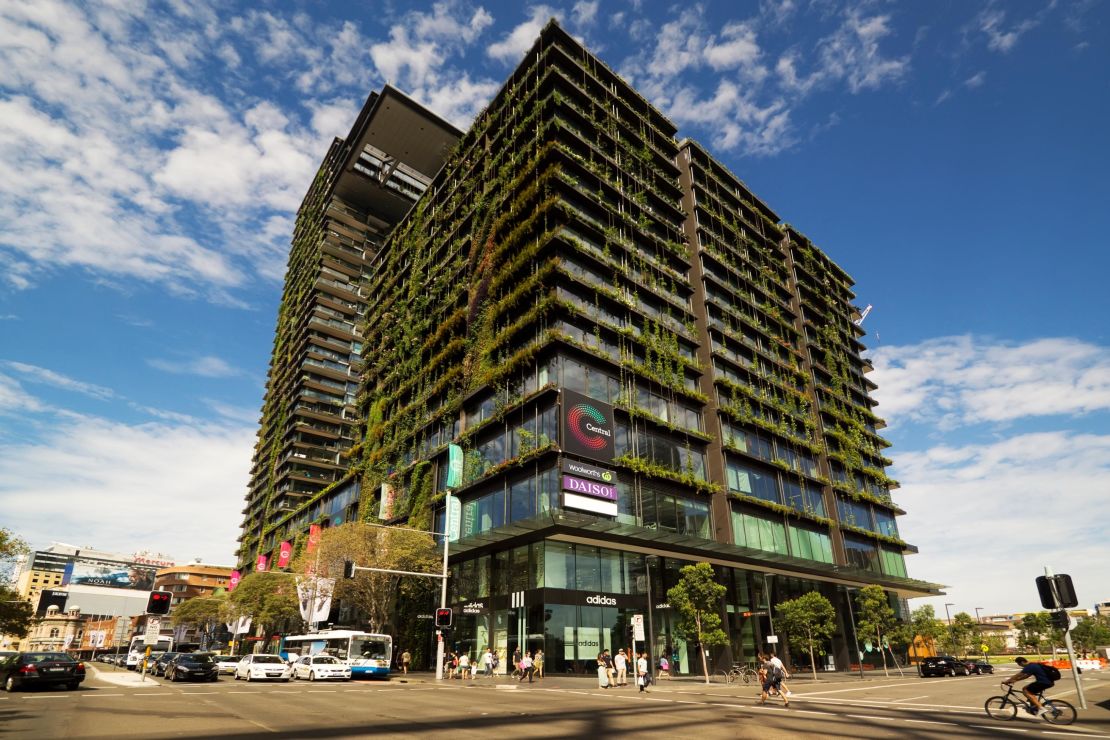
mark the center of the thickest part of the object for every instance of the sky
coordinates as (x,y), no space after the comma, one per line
(949,155)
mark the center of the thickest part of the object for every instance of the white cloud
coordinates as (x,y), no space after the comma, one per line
(43,376)
(585,13)
(513,46)
(987,518)
(956,381)
(991,22)
(207,367)
(976,80)
(113,479)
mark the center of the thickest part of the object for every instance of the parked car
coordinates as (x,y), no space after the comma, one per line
(158,667)
(321,667)
(226,663)
(979,667)
(40,669)
(192,667)
(943,665)
(263,666)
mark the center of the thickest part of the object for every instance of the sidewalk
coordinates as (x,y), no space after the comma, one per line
(121,677)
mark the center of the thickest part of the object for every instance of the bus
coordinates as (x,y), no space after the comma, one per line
(368,654)
(137,649)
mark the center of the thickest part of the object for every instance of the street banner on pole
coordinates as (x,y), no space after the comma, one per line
(260,565)
(313,537)
(233,581)
(285,554)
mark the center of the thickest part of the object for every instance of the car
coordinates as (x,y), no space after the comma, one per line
(262,666)
(40,668)
(226,663)
(192,667)
(979,667)
(321,667)
(158,666)
(943,665)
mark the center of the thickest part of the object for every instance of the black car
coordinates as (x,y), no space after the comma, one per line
(979,667)
(192,667)
(943,665)
(40,669)
(159,666)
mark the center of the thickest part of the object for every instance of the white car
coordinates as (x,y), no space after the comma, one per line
(262,666)
(321,667)
(226,663)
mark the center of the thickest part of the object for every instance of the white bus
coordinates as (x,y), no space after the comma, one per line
(368,654)
(137,649)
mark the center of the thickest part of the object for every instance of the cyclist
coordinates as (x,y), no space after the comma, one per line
(1041,681)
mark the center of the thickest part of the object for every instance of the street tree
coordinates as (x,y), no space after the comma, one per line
(809,619)
(876,616)
(1035,629)
(924,626)
(1090,633)
(269,598)
(16,614)
(960,633)
(376,595)
(697,600)
(205,613)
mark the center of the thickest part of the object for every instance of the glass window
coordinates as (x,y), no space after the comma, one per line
(499,572)
(522,499)
(892,562)
(861,554)
(810,543)
(885,522)
(588,568)
(855,513)
(668,515)
(752,481)
(694,517)
(635,573)
(574,375)
(558,559)
(611,581)
(535,565)
(759,532)
(518,568)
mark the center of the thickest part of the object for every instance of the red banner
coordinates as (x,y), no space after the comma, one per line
(234,581)
(261,564)
(285,554)
(313,537)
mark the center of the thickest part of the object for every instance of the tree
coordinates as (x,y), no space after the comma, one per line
(875,616)
(924,625)
(376,595)
(268,598)
(203,613)
(959,634)
(16,614)
(1090,633)
(809,619)
(697,599)
(1035,629)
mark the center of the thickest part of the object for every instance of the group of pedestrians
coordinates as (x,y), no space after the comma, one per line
(612,670)
(772,678)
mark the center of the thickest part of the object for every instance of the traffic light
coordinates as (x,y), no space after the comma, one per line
(158,602)
(1057,592)
(443,617)
(1060,620)
(348,569)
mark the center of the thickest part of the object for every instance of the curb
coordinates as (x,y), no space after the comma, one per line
(130,679)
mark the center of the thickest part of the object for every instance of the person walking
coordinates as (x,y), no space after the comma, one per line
(406,659)
(776,662)
(621,664)
(537,664)
(464,665)
(526,667)
(487,663)
(642,676)
(610,671)
(773,681)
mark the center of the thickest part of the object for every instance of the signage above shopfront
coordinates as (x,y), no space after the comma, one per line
(589,470)
(589,488)
(588,428)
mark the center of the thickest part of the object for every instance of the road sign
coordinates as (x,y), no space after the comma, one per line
(153,629)
(772,639)
(638,627)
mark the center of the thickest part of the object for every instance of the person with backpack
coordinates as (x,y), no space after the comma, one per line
(1044,677)
(776,672)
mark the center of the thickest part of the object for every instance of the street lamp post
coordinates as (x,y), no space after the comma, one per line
(977,610)
(649,644)
(947,613)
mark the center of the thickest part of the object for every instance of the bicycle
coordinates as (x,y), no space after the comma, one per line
(1006,707)
(746,673)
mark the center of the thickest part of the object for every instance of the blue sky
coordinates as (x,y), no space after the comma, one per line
(949,155)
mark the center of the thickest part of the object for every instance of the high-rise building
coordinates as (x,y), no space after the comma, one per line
(365,185)
(621,361)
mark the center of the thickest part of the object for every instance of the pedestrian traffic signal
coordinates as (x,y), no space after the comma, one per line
(1060,620)
(443,617)
(348,569)
(158,602)
(1057,592)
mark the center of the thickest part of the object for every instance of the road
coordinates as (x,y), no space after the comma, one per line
(554,708)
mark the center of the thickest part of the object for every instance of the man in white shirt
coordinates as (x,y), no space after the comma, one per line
(487,663)
(642,676)
(621,663)
(526,667)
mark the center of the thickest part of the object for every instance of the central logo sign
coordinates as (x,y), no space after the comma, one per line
(587,426)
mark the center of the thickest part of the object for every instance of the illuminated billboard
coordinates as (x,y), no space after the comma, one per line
(116,575)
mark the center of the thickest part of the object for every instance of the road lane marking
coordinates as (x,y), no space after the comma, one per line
(909,698)
(88,696)
(870,716)
(198,693)
(929,722)
(841,691)
(996,727)
(45,697)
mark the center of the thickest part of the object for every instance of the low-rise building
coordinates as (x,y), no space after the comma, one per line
(192,580)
